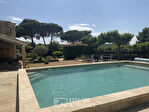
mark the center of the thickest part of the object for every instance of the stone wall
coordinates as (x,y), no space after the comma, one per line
(7,50)
(7,28)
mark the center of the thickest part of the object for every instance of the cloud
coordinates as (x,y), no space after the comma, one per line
(80,27)
(15,19)
(95,34)
(3,1)
(83,24)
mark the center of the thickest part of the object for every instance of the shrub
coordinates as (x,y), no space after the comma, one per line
(82,57)
(29,47)
(57,54)
(30,59)
(46,61)
(74,50)
(39,59)
(107,50)
(49,58)
(40,50)
(19,56)
(54,47)
(32,56)
(88,50)
(143,48)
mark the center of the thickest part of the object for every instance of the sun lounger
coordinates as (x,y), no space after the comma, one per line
(142,59)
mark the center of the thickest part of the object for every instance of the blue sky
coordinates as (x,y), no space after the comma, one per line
(96,15)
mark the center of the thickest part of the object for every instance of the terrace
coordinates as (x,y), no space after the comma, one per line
(119,101)
(17,92)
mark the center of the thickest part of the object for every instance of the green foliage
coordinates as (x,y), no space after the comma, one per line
(112,50)
(92,43)
(18,53)
(141,48)
(28,28)
(31,56)
(89,40)
(18,47)
(46,61)
(74,50)
(102,38)
(144,35)
(74,35)
(39,59)
(116,38)
(29,47)
(55,47)
(127,51)
(40,50)
(54,30)
(49,30)
(19,56)
(50,58)
(57,54)
(107,50)
(43,31)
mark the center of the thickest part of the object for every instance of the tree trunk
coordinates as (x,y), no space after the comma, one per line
(51,42)
(51,39)
(118,51)
(44,40)
(32,40)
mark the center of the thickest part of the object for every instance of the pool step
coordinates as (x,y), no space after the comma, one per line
(137,67)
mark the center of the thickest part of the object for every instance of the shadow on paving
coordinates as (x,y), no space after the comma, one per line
(5,67)
(140,108)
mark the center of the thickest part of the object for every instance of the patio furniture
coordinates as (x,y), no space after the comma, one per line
(142,59)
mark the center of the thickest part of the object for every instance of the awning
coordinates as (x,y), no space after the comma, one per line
(12,40)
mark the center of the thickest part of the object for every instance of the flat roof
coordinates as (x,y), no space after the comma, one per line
(12,40)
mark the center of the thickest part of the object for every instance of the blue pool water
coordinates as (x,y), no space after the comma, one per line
(60,85)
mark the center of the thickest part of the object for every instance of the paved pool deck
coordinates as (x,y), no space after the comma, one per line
(8,86)
(140,108)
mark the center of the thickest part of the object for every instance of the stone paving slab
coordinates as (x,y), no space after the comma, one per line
(27,99)
(8,85)
(140,108)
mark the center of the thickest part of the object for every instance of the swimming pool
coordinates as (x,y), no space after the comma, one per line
(60,85)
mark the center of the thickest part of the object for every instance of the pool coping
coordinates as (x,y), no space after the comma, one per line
(82,64)
(110,102)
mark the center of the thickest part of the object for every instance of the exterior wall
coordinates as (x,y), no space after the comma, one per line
(7,50)
(7,28)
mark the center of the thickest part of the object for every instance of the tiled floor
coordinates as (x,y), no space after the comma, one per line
(8,84)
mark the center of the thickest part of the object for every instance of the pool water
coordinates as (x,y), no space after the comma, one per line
(60,85)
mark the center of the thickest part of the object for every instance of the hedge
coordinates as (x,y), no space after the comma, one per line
(137,50)
(57,54)
(72,51)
